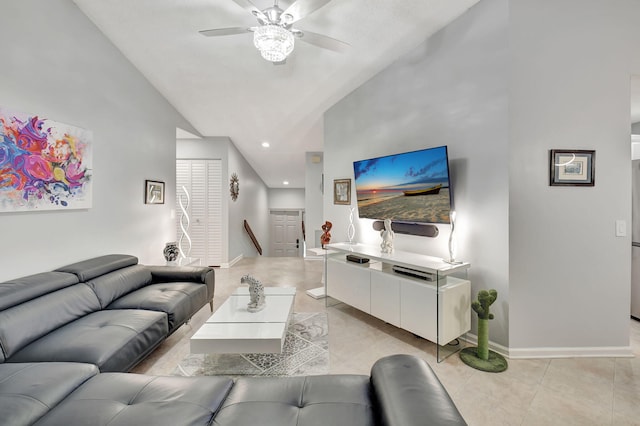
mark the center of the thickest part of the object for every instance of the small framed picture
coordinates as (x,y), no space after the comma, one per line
(153,192)
(572,167)
(342,191)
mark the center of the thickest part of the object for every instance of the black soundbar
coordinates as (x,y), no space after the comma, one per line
(420,229)
(357,259)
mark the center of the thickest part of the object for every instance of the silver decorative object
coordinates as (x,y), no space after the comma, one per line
(387,237)
(170,251)
(452,241)
(184,224)
(234,186)
(351,229)
(257,300)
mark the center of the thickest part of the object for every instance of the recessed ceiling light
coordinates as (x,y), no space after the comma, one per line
(265,144)
(286,182)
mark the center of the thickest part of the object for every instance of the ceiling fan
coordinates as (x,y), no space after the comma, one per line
(274,36)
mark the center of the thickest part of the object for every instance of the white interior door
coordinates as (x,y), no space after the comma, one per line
(203,181)
(286,233)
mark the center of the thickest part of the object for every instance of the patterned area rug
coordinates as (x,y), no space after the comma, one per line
(306,352)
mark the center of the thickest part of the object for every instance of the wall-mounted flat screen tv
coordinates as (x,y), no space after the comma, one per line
(409,187)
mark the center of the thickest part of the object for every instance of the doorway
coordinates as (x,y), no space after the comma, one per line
(635,199)
(199,209)
(286,233)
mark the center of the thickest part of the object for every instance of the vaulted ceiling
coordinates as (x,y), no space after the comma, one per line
(223,87)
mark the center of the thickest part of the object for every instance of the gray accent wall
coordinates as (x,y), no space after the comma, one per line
(501,86)
(58,65)
(635,128)
(252,204)
(450,90)
(570,68)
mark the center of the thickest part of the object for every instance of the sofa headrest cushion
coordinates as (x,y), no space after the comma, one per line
(109,287)
(27,322)
(23,289)
(91,268)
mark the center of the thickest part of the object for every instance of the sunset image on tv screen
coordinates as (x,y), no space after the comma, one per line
(407,187)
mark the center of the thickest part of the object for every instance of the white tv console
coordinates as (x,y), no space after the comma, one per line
(437,309)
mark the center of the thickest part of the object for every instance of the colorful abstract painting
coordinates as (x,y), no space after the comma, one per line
(44,165)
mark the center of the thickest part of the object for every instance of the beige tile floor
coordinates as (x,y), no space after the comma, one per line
(578,391)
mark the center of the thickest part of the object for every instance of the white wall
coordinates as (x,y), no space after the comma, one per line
(286,198)
(59,66)
(570,82)
(251,205)
(451,90)
(563,277)
(313,197)
(203,148)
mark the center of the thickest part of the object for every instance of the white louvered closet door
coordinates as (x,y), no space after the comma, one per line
(203,180)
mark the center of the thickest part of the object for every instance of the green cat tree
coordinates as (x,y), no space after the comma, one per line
(481,357)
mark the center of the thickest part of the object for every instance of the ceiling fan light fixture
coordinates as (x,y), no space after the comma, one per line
(274,42)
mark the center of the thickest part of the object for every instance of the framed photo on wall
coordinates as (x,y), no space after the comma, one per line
(572,167)
(153,192)
(342,191)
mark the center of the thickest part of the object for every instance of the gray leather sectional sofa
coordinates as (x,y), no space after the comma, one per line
(401,391)
(68,337)
(108,311)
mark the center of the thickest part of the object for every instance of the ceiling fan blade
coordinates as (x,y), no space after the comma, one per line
(248,5)
(301,8)
(321,41)
(225,31)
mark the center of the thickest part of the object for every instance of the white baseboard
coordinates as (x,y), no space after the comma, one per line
(233,262)
(596,352)
(534,353)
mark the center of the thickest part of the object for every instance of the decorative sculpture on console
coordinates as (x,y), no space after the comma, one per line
(184,223)
(257,300)
(387,237)
(171,251)
(351,229)
(326,236)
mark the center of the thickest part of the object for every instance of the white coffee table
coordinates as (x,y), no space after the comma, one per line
(233,329)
